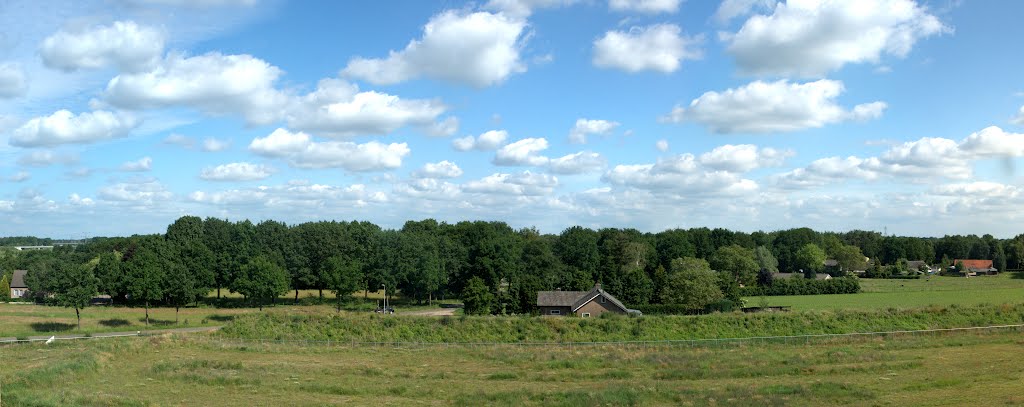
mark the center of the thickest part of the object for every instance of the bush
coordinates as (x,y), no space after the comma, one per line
(805,286)
(663,309)
(723,305)
(372,328)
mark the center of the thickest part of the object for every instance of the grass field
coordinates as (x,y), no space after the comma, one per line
(1006,288)
(958,369)
(23,320)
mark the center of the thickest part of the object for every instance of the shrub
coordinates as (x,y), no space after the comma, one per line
(805,286)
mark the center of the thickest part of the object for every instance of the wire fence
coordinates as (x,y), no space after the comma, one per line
(700,342)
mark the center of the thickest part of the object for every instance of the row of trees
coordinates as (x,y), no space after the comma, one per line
(499,267)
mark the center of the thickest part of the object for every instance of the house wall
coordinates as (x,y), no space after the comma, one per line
(562,311)
(18,292)
(596,308)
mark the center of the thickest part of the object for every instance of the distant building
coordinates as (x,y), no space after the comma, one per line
(18,287)
(583,303)
(974,267)
(917,265)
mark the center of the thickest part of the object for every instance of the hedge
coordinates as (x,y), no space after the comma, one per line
(804,286)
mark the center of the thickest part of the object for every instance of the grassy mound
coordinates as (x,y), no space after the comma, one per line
(377,328)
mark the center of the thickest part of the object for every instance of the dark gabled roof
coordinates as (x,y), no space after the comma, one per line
(593,293)
(558,298)
(575,299)
(916,264)
(18,279)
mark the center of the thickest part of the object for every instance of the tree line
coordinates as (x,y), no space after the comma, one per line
(493,267)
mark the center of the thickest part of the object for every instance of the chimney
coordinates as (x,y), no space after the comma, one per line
(597,286)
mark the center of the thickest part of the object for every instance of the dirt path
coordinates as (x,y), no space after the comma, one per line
(440,312)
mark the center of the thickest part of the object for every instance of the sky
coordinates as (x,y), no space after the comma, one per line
(897,116)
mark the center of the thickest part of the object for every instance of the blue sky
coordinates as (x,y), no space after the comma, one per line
(118,116)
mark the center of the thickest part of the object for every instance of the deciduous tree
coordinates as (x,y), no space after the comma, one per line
(73,286)
(691,284)
(477,297)
(261,281)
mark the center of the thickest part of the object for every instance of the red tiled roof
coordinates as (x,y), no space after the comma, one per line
(974,264)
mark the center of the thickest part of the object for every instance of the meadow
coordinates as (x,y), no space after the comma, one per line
(352,327)
(22,320)
(946,369)
(1006,288)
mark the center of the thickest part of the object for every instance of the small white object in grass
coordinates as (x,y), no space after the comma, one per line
(49,341)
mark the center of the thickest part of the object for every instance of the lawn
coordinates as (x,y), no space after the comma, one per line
(958,369)
(23,320)
(1007,288)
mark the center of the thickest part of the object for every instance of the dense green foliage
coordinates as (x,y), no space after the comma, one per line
(374,328)
(427,259)
(5,287)
(261,281)
(477,297)
(804,286)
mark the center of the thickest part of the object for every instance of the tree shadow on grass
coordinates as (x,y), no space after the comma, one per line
(116,322)
(157,322)
(1017,275)
(221,318)
(51,326)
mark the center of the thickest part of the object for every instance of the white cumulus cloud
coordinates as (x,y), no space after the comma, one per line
(524,8)
(301,151)
(585,127)
(45,158)
(578,163)
(339,108)
(214,145)
(743,157)
(19,176)
(140,165)
(212,83)
(659,47)
(64,127)
(810,38)
(645,6)
(13,82)
(524,183)
(522,152)
(241,171)
(1019,119)
(479,49)
(123,44)
(488,141)
(139,192)
(767,107)
(443,169)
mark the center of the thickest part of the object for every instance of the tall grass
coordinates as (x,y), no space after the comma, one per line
(377,328)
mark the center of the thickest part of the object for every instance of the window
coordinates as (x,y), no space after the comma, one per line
(586,315)
(556,312)
(602,299)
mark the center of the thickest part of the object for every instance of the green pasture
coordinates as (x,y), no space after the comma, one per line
(23,320)
(948,369)
(1007,288)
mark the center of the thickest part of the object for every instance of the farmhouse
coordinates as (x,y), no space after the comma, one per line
(918,265)
(583,303)
(18,287)
(975,267)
